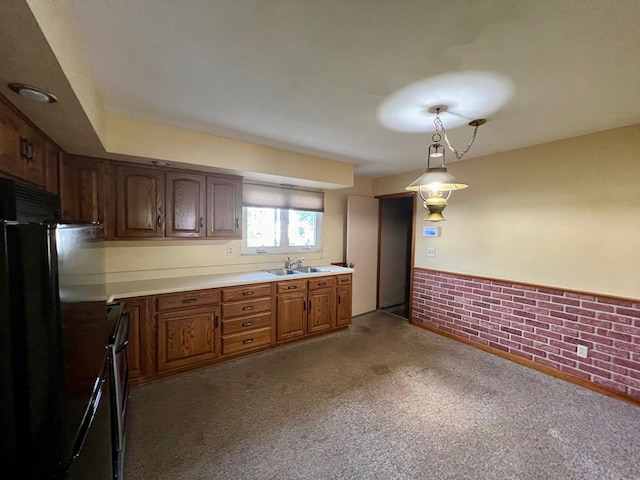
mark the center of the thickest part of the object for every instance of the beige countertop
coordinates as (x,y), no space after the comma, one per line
(138,288)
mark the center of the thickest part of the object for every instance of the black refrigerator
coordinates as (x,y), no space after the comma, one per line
(55,414)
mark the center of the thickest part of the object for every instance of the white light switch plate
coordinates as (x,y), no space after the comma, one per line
(431,252)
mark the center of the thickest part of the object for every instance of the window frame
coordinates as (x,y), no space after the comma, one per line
(282,249)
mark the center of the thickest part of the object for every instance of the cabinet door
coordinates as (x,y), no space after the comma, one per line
(322,310)
(141,348)
(51,159)
(186,203)
(188,337)
(11,162)
(34,164)
(224,207)
(140,202)
(344,306)
(83,189)
(291,315)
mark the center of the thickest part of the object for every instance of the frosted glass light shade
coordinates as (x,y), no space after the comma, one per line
(436,177)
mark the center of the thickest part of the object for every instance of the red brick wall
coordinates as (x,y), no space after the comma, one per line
(541,324)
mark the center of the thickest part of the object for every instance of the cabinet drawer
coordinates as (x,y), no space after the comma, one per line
(322,282)
(344,279)
(246,292)
(187,299)
(242,342)
(245,324)
(292,286)
(246,308)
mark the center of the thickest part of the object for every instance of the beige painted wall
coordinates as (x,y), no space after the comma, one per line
(141,138)
(563,214)
(132,260)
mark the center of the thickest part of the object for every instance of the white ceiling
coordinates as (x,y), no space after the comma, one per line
(308,75)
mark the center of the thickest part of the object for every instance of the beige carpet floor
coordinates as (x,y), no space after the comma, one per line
(382,400)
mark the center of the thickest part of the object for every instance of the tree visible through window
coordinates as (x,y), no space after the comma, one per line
(275,230)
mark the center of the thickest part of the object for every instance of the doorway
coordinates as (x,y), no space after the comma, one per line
(395,251)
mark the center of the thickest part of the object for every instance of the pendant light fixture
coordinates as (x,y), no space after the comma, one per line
(436,184)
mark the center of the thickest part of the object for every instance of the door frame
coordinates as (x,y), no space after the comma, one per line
(413,243)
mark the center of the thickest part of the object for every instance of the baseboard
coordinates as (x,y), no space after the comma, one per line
(533,365)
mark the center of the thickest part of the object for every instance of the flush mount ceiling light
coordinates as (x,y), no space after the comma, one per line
(33,93)
(436,182)
(468,95)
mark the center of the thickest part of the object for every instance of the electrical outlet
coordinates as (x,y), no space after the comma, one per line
(431,252)
(229,250)
(582,351)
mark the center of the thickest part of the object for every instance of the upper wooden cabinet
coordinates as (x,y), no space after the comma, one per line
(186,205)
(155,203)
(83,189)
(52,158)
(11,162)
(139,202)
(23,149)
(224,207)
(33,156)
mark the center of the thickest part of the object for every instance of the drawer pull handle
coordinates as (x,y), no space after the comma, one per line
(246,294)
(201,222)
(247,324)
(292,287)
(339,298)
(248,340)
(321,284)
(189,300)
(248,307)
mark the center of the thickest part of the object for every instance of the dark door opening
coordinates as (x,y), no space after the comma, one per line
(394,253)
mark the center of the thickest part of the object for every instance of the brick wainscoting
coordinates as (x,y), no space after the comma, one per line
(541,325)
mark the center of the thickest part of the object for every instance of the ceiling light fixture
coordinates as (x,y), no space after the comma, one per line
(436,182)
(33,93)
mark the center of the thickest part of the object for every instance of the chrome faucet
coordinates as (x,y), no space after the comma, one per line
(296,263)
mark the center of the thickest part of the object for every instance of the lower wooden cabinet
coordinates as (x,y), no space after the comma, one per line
(141,348)
(247,318)
(343,316)
(188,337)
(321,313)
(176,332)
(292,315)
(344,293)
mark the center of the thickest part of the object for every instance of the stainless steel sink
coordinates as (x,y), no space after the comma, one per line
(283,271)
(311,270)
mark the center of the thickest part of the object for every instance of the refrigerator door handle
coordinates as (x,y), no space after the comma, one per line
(89,415)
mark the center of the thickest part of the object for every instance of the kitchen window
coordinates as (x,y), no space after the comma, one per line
(281,220)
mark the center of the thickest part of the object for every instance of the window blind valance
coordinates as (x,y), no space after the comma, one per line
(267,196)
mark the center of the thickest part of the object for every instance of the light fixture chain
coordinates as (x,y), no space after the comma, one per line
(440,130)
